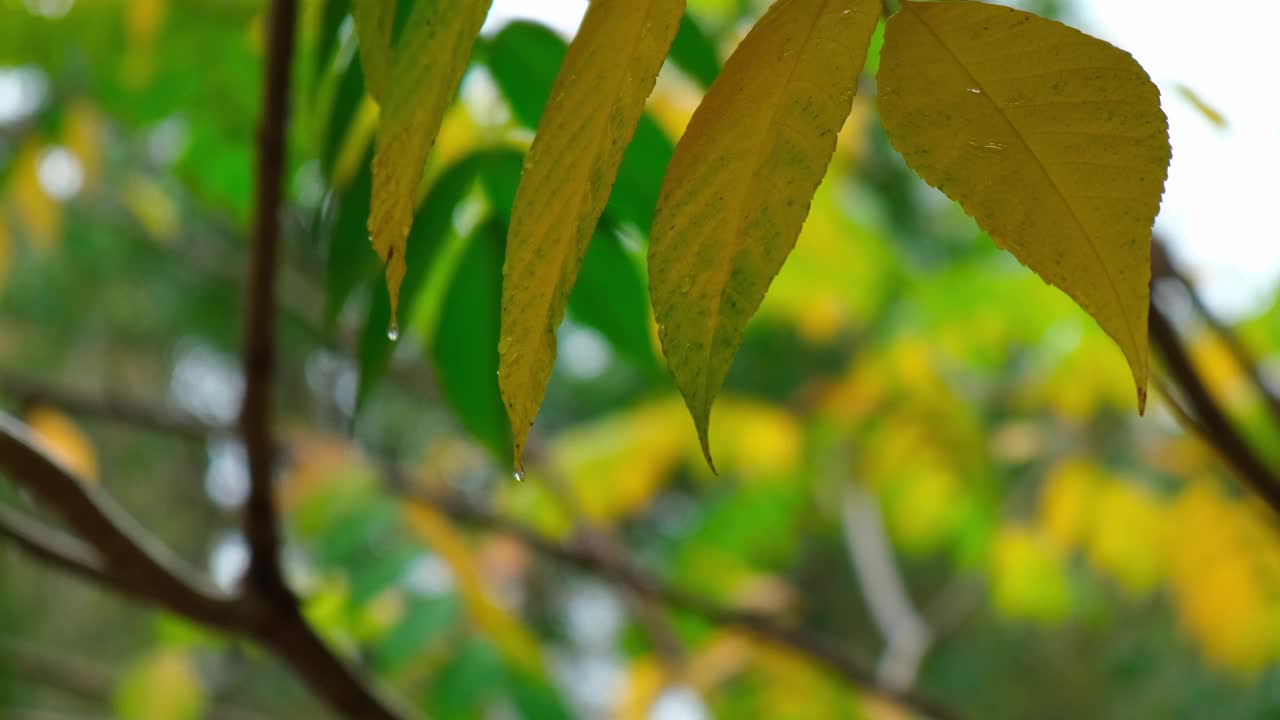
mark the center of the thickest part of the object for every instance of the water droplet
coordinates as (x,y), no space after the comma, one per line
(519,475)
(686,285)
(393,332)
(975,91)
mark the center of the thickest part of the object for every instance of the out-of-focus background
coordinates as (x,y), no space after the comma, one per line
(926,455)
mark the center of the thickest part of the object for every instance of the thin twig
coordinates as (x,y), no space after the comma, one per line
(54,548)
(108,405)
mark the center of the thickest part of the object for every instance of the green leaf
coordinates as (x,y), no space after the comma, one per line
(695,53)
(465,348)
(740,183)
(595,107)
(429,59)
(524,58)
(346,103)
(351,261)
(330,20)
(611,297)
(1052,140)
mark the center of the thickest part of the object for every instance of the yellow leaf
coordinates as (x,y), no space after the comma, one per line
(6,251)
(82,135)
(39,212)
(428,63)
(515,641)
(595,106)
(65,441)
(741,180)
(1208,111)
(374,20)
(1052,140)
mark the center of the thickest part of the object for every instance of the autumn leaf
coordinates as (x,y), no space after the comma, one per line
(740,183)
(425,70)
(374,20)
(1052,140)
(595,106)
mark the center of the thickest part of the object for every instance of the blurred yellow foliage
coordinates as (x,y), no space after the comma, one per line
(616,465)
(6,250)
(82,136)
(1127,537)
(154,210)
(65,441)
(1067,503)
(1225,578)
(512,637)
(1028,577)
(39,213)
(162,686)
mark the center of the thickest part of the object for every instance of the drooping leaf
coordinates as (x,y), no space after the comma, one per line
(610,295)
(374,20)
(739,185)
(596,104)
(695,53)
(1052,140)
(431,227)
(429,59)
(524,58)
(466,341)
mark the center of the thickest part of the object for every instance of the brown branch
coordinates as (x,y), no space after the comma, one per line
(1162,266)
(261,524)
(133,560)
(1217,427)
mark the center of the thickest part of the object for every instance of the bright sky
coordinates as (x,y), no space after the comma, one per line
(1217,210)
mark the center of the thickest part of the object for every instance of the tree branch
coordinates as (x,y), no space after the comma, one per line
(1163,266)
(1217,427)
(907,636)
(131,558)
(261,522)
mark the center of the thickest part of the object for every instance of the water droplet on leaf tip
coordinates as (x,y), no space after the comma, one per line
(519,475)
(393,332)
